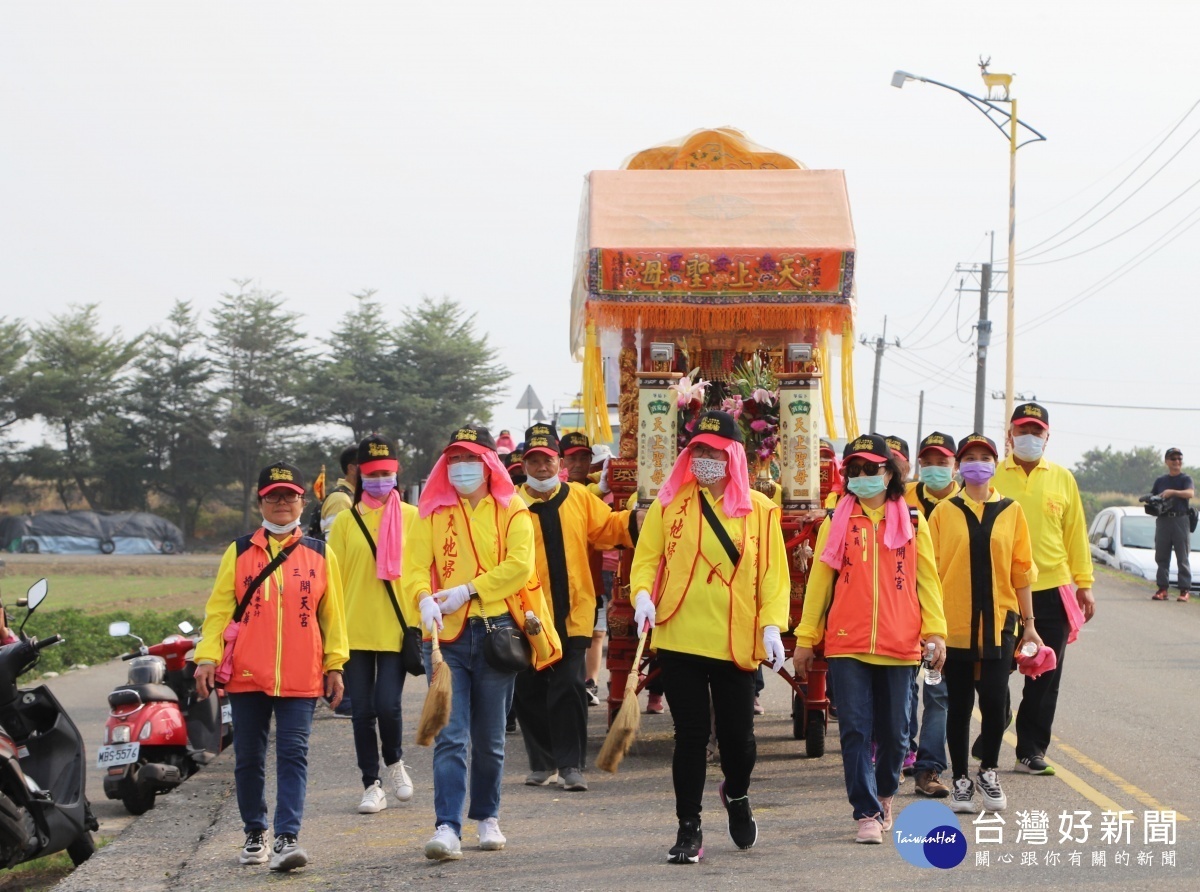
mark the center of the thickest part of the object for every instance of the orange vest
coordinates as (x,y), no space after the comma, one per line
(875,608)
(279,649)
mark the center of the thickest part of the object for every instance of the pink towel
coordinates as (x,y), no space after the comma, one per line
(439,492)
(737,490)
(897,527)
(389,550)
(1045,660)
(1074,613)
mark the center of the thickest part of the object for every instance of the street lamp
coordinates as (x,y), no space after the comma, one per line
(1007,123)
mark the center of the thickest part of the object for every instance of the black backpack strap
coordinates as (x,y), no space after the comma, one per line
(258,580)
(387,583)
(719,529)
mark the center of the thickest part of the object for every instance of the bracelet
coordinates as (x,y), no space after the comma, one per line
(1027,619)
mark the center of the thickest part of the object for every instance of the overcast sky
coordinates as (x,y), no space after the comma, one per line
(154,151)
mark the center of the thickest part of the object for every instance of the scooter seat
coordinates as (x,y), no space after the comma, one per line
(147,692)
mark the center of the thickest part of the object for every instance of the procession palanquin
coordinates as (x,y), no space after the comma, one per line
(705,259)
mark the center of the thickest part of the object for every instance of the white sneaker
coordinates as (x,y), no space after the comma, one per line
(988,782)
(445,845)
(373,800)
(400,781)
(960,798)
(490,837)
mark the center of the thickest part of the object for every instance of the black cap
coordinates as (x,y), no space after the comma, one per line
(1031,412)
(718,424)
(474,437)
(943,443)
(977,440)
(896,444)
(872,447)
(1174,450)
(541,437)
(376,448)
(572,442)
(280,475)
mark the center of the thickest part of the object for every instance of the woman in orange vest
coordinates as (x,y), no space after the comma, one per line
(722,600)
(289,649)
(877,568)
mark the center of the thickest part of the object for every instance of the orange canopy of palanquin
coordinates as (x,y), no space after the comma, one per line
(723,148)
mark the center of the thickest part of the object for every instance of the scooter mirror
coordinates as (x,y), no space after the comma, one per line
(37,594)
(118,629)
(186,627)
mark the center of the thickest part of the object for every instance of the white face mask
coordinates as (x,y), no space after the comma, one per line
(1029,447)
(466,477)
(547,485)
(708,471)
(280,529)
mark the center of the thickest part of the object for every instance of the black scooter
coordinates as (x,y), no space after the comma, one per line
(43,808)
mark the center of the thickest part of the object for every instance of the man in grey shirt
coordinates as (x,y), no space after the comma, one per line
(1172,530)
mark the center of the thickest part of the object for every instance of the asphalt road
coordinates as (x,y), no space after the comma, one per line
(1126,731)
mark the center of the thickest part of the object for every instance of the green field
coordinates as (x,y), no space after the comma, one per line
(94,593)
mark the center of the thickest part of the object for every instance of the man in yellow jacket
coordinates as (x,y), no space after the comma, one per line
(714,546)
(568,522)
(1063,600)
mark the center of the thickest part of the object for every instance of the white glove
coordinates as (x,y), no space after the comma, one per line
(431,613)
(454,598)
(604,478)
(773,645)
(643,611)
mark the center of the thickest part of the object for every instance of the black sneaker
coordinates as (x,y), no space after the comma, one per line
(689,844)
(593,692)
(287,854)
(1033,765)
(743,829)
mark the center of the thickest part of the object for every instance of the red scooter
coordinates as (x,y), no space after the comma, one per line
(158,732)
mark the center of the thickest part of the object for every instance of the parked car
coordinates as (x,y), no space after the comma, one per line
(1123,537)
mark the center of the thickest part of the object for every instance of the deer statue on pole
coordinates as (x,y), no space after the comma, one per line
(1003,81)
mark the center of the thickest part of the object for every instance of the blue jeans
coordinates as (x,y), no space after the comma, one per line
(479,708)
(931,752)
(375,682)
(251,727)
(872,704)
(911,725)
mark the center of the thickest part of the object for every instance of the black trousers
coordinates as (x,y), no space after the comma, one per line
(552,709)
(698,689)
(961,687)
(1173,535)
(1039,699)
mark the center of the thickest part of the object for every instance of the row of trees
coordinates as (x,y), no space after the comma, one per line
(190,410)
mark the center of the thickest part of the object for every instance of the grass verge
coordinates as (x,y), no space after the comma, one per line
(86,638)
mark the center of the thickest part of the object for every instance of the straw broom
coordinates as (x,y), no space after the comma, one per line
(629,717)
(435,714)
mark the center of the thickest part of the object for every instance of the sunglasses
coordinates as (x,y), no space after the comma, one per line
(865,468)
(287,498)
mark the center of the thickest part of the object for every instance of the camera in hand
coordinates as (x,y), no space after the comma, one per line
(1155,505)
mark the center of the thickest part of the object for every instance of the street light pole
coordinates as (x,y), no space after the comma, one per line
(1006,121)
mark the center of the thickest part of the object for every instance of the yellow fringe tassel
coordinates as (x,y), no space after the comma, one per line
(826,385)
(849,414)
(709,318)
(595,406)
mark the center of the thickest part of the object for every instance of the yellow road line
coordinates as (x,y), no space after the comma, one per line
(1115,779)
(1079,785)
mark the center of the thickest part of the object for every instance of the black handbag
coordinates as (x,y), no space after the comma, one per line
(506,649)
(410,638)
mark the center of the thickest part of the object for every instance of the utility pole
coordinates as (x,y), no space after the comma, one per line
(983,332)
(920,418)
(881,344)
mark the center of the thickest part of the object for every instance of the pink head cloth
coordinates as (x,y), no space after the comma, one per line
(737,490)
(897,527)
(389,550)
(439,492)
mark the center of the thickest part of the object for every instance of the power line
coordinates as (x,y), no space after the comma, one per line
(1123,181)
(1138,408)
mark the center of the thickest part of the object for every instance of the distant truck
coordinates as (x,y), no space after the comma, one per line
(90,532)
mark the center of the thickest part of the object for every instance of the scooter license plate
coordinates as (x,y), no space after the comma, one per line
(117,754)
(226,713)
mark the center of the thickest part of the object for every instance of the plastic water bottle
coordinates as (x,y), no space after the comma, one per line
(1029,649)
(932,676)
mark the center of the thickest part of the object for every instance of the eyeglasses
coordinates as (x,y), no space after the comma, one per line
(286,498)
(1174,458)
(865,468)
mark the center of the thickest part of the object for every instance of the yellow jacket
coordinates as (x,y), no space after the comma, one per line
(489,546)
(707,607)
(1057,526)
(586,522)
(917,495)
(371,622)
(822,578)
(979,610)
